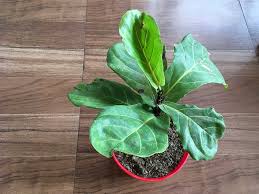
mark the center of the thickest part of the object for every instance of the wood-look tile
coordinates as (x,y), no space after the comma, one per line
(38,80)
(30,175)
(47,23)
(95,66)
(84,145)
(49,10)
(102,21)
(38,125)
(38,135)
(7,9)
(251,12)
(59,35)
(67,35)
(28,95)
(218,24)
(241,134)
(224,174)
(19,62)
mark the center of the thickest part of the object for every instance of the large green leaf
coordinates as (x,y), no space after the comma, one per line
(198,128)
(103,93)
(131,130)
(191,68)
(127,68)
(141,38)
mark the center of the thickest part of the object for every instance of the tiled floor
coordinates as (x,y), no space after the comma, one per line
(48,46)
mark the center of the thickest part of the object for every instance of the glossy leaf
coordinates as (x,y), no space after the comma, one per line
(127,68)
(141,37)
(131,130)
(103,93)
(191,68)
(198,128)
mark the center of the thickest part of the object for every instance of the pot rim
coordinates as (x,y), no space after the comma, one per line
(170,174)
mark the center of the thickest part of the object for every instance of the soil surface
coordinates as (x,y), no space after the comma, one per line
(157,165)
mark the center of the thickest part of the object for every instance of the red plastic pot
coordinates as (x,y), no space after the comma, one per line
(173,172)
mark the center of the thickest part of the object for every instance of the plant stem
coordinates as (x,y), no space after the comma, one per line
(159,99)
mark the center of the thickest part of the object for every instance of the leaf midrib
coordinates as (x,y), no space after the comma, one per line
(136,131)
(188,118)
(183,75)
(188,71)
(108,97)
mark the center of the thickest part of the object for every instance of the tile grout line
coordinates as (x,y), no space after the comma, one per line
(81,49)
(42,48)
(39,156)
(82,75)
(41,114)
(240,5)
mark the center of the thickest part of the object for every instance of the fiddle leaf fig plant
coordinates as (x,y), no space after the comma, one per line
(135,119)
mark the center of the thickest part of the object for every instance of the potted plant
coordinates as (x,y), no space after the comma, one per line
(142,125)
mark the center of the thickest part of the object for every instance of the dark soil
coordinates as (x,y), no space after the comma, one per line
(157,165)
